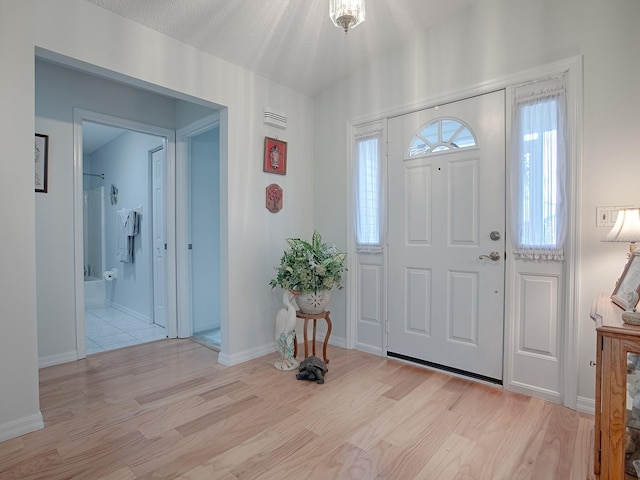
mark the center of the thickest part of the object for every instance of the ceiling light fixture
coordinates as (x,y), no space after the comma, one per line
(346,13)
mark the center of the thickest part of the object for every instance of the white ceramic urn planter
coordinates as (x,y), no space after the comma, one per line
(313,302)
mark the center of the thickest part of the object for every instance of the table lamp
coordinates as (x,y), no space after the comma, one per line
(626,228)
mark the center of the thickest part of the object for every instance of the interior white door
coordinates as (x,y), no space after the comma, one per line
(159,237)
(446,236)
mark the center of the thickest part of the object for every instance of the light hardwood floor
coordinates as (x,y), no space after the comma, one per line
(168,410)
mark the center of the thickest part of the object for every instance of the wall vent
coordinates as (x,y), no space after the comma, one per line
(274,118)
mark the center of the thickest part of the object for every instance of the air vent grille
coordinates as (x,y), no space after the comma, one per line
(275,119)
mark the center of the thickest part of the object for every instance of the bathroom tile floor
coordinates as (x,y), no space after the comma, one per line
(107,328)
(210,337)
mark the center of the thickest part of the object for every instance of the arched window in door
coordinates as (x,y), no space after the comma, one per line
(442,135)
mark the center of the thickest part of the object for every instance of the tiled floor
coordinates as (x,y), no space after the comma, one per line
(107,328)
(210,337)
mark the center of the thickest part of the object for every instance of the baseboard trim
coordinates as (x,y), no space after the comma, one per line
(369,349)
(251,354)
(246,355)
(586,405)
(57,359)
(532,391)
(129,311)
(15,428)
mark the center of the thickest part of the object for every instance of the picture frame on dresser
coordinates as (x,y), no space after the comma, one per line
(628,283)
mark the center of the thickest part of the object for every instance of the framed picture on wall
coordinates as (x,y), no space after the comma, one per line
(41,159)
(275,156)
(628,284)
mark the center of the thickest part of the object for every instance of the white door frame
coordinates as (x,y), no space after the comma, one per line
(185,326)
(80,115)
(159,274)
(573,68)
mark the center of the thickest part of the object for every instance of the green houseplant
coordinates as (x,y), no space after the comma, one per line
(310,268)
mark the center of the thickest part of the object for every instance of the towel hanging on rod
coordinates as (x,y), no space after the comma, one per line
(127,230)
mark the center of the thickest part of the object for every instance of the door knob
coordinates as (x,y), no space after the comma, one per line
(493,256)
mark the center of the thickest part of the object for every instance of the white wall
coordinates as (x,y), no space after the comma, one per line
(490,40)
(98,39)
(19,406)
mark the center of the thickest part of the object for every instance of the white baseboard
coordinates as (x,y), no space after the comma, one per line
(245,356)
(533,391)
(57,359)
(15,428)
(370,349)
(586,405)
(133,313)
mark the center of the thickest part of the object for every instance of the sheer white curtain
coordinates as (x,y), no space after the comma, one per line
(368,191)
(539,209)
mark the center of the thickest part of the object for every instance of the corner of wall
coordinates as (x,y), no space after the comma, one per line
(21,426)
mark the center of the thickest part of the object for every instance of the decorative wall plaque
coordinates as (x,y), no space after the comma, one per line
(274,198)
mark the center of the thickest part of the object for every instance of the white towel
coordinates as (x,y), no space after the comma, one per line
(127,229)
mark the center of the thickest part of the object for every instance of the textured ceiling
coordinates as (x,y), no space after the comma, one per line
(292,42)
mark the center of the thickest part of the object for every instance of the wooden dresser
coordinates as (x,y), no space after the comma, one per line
(616,374)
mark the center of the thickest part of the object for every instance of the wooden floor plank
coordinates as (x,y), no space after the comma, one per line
(168,410)
(254,466)
(447,461)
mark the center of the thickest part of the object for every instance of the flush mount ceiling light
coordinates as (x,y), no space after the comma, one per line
(346,13)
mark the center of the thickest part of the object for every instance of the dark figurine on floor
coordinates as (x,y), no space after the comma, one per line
(312,368)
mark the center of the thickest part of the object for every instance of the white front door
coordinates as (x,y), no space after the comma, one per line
(159,240)
(446,222)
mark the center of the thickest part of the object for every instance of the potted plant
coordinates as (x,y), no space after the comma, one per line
(310,270)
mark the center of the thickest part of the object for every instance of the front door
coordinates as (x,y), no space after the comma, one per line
(446,218)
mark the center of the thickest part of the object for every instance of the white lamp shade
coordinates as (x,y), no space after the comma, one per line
(626,228)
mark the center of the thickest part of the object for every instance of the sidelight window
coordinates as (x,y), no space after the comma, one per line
(539,211)
(368,189)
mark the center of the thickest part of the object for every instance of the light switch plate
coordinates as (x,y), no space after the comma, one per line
(606,216)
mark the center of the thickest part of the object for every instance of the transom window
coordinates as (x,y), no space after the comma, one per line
(440,136)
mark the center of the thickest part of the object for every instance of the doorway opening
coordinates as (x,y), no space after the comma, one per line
(123,217)
(73,82)
(198,207)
